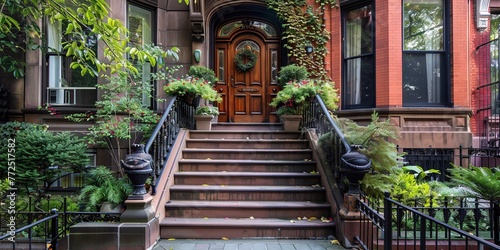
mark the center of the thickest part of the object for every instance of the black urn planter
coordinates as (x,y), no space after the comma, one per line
(137,165)
(354,167)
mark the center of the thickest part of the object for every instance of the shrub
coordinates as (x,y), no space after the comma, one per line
(204,73)
(291,73)
(40,155)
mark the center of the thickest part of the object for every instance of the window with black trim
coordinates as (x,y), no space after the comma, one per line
(358,81)
(66,86)
(424,53)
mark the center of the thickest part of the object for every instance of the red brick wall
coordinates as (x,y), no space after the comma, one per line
(475,72)
(388,53)
(334,57)
(460,89)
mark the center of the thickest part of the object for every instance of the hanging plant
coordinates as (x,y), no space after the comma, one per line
(245,60)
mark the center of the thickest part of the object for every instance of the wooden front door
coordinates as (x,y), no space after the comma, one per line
(246,90)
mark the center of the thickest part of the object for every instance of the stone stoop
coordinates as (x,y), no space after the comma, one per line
(247,181)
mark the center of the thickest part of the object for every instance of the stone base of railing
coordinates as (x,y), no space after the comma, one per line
(349,220)
(138,229)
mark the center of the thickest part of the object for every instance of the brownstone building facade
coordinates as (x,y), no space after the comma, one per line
(415,62)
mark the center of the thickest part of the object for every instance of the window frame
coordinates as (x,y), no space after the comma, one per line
(445,53)
(69,94)
(346,58)
(150,103)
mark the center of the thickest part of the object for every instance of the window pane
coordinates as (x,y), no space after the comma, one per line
(140,26)
(423,25)
(230,27)
(359,31)
(274,66)
(66,86)
(359,82)
(221,65)
(422,78)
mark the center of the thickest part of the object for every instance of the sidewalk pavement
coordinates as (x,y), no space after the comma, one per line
(247,244)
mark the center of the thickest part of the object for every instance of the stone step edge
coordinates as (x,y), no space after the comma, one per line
(244,222)
(247,174)
(244,161)
(245,150)
(246,204)
(234,188)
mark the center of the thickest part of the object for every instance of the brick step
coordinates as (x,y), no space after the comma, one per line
(247,126)
(247,209)
(247,193)
(228,165)
(217,228)
(247,144)
(248,154)
(247,178)
(243,134)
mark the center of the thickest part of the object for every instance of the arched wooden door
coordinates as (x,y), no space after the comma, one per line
(247,93)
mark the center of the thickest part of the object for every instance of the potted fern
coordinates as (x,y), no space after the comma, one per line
(103,190)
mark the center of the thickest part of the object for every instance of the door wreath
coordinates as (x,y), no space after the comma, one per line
(242,56)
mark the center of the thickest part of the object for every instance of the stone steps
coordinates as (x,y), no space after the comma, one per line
(247,180)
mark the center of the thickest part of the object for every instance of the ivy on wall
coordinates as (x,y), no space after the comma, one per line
(304,25)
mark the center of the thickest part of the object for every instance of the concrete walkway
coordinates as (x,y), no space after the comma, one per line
(246,244)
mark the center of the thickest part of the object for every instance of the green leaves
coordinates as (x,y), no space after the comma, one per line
(40,155)
(81,19)
(101,185)
(482,182)
(304,26)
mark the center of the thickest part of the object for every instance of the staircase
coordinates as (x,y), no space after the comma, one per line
(247,181)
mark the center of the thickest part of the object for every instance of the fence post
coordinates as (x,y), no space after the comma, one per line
(496,218)
(387,222)
(423,232)
(54,231)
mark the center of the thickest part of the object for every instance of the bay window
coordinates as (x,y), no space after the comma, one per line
(424,53)
(358,85)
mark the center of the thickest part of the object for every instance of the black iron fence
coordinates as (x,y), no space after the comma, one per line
(457,223)
(31,226)
(442,158)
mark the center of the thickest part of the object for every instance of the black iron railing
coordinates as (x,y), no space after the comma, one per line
(49,239)
(317,116)
(177,115)
(34,226)
(458,221)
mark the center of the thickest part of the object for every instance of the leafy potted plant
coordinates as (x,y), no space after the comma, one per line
(291,73)
(204,116)
(204,73)
(102,188)
(295,97)
(191,90)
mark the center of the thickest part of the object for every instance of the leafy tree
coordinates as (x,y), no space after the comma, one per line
(83,20)
(40,156)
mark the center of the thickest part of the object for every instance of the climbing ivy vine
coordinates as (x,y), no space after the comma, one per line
(304,25)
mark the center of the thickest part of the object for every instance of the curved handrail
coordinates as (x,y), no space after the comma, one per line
(177,115)
(151,140)
(333,124)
